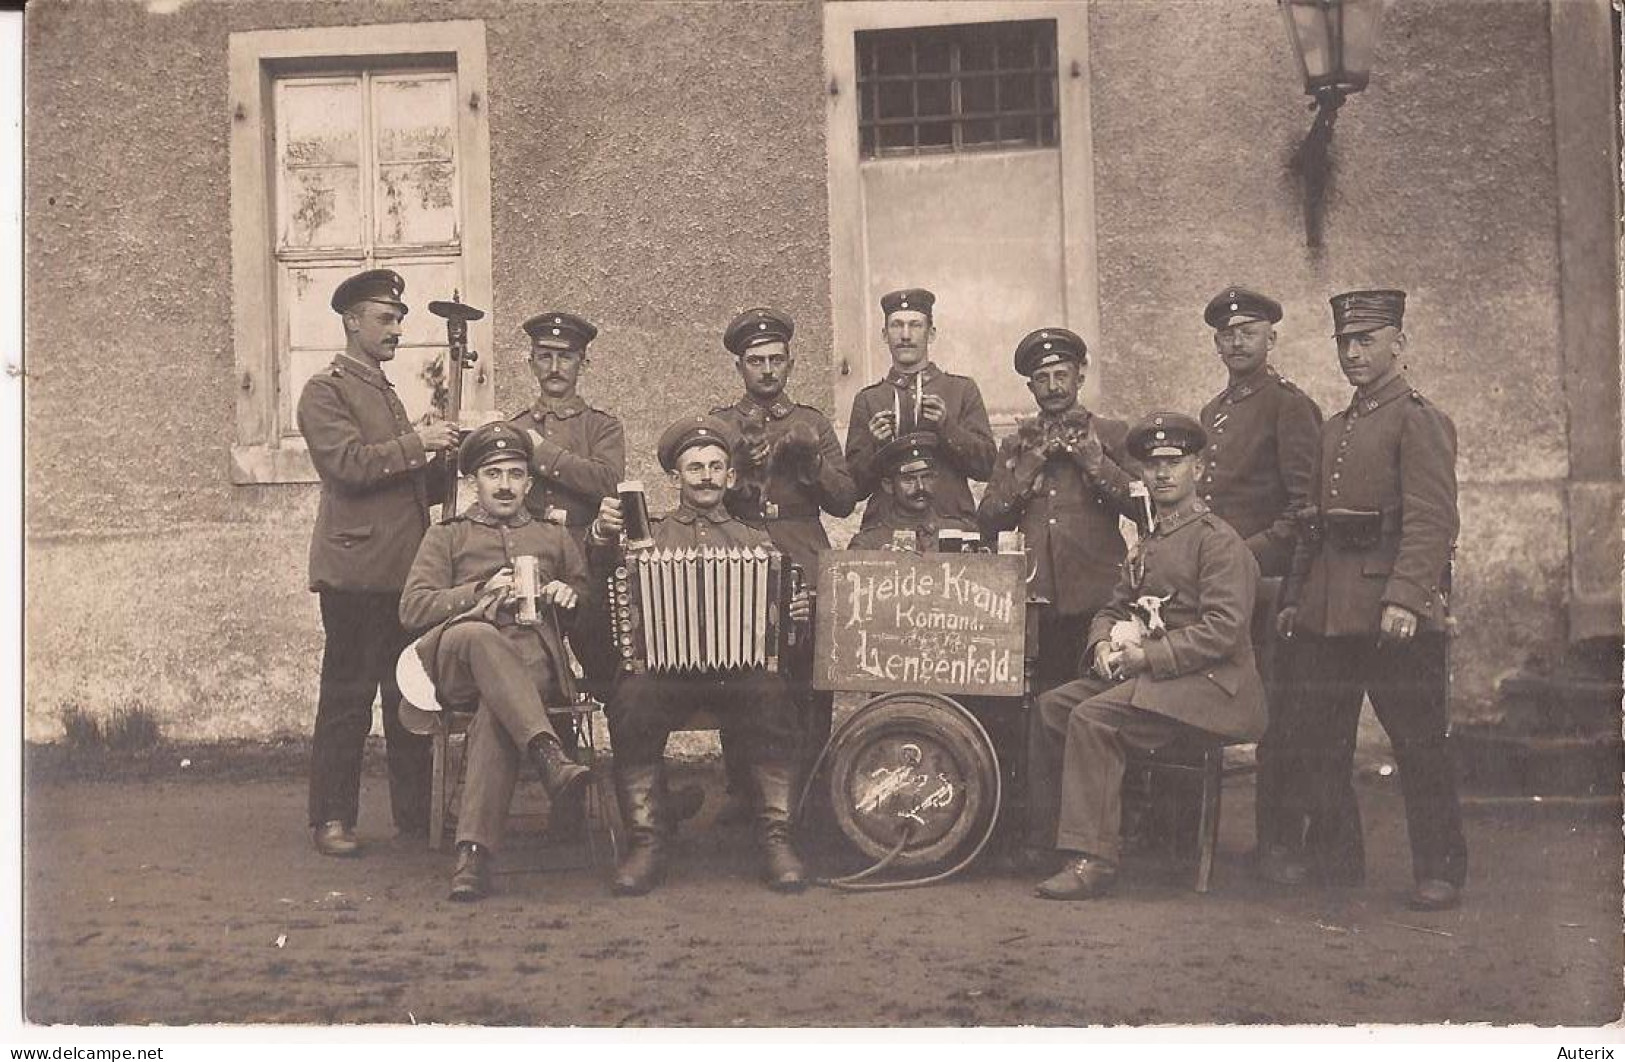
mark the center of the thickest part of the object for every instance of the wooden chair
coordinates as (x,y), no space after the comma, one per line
(422,713)
(1182,762)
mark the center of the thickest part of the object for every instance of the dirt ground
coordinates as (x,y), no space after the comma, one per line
(156,893)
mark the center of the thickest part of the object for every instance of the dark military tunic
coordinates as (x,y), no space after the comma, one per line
(967,439)
(479,655)
(1394,453)
(377,486)
(1262,450)
(1068,519)
(1391,454)
(377,481)
(579,460)
(785,501)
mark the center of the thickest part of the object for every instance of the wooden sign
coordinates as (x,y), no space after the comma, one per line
(935,622)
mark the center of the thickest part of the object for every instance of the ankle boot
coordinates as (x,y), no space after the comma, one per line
(638,788)
(472,878)
(781,867)
(562,777)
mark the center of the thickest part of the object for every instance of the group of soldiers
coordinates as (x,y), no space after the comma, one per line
(1299,566)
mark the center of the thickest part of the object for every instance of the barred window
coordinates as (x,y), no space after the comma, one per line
(980,87)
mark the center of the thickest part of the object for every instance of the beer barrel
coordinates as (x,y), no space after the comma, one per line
(913,779)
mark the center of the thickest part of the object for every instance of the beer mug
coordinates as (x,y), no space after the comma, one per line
(948,540)
(526,589)
(1011,542)
(904,540)
(636,531)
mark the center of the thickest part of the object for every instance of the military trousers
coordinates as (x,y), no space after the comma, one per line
(505,672)
(363,639)
(1278,818)
(1076,759)
(754,706)
(1407,684)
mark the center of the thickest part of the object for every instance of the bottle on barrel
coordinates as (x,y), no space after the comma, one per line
(638,532)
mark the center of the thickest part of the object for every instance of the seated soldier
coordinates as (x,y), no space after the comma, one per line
(479,651)
(1196,679)
(645,708)
(908,476)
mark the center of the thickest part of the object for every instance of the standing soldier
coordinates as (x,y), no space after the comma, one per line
(1061,479)
(1263,443)
(375,470)
(915,395)
(580,456)
(909,477)
(1367,604)
(790,469)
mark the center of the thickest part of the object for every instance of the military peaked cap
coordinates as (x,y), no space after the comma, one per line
(914,452)
(1166,435)
(907,299)
(560,330)
(690,432)
(1367,311)
(756,326)
(492,442)
(374,285)
(1234,306)
(1048,346)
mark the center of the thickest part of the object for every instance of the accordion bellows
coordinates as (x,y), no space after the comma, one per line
(700,610)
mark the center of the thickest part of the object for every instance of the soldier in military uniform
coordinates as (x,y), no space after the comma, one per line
(580,457)
(789,469)
(646,707)
(1061,480)
(909,477)
(1193,682)
(377,476)
(915,395)
(1366,605)
(479,652)
(1262,453)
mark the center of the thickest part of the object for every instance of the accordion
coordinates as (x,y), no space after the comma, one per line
(701,610)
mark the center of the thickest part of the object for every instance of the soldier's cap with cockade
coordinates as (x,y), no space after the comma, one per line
(560,331)
(756,326)
(907,299)
(689,432)
(1367,311)
(914,452)
(492,442)
(1048,346)
(1165,435)
(1234,306)
(374,285)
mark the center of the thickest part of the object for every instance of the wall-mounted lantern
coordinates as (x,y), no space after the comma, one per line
(1334,41)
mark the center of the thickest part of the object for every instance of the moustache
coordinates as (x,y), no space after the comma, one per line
(504,495)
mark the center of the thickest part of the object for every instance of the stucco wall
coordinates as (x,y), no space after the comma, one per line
(657,166)
(1444,185)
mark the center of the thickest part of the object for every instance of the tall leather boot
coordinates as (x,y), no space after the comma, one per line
(780,865)
(639,788)
(562,777)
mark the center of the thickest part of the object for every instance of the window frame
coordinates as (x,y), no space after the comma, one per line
(260,454)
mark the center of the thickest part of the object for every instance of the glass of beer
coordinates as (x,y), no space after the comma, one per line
(637,531)
(526,588)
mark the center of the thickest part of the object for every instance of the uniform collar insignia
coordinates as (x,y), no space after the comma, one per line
(686,515)
(905,380)
(778,409)
(479,515)
(364,368)
(1370,403)
(563,408)
(1250,386)
(1189,516)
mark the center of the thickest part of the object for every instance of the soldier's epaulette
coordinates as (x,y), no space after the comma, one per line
(1418,397)
(1288,384)
(335,370)
(721,409)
